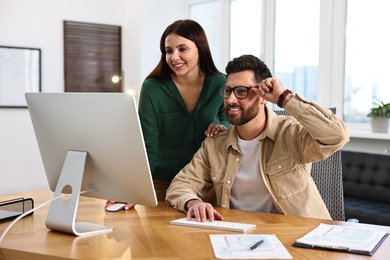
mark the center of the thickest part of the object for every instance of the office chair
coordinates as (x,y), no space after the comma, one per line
(327,175)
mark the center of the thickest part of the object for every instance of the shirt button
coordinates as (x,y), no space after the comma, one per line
(228,182)
(237,159)
(214,178)
(279,167)
(223,206)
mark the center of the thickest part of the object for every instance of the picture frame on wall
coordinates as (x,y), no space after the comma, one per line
(20,72)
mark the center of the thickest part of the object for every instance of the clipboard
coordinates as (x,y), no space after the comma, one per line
(342,249)
(374,240)
(11,209)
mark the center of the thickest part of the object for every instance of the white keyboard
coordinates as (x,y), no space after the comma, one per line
(220,225)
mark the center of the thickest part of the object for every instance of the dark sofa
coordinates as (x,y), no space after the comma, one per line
(366,184)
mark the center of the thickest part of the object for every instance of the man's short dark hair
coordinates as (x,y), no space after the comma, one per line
(249,62)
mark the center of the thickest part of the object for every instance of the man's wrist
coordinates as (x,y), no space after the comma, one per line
(284,98)
(187,205)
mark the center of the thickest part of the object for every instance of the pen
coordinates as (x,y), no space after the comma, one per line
(256,245)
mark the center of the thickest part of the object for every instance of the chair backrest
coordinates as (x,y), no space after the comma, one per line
(327,174)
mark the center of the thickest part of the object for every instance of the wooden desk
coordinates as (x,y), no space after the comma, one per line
(146,233)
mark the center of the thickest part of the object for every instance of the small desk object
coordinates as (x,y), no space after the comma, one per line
(146,232)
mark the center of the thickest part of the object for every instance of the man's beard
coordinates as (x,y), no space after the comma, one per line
(246,115)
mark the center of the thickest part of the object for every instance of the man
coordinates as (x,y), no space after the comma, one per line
(263,161)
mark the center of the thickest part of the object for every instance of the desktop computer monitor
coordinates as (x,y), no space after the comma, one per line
(91,144)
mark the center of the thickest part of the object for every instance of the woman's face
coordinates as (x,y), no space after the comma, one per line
(181,55)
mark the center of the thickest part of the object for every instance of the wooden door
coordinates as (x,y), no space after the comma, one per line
(92,57)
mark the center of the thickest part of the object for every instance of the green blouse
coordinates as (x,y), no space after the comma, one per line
(173,135)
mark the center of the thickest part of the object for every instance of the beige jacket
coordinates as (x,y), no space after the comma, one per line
(288,146)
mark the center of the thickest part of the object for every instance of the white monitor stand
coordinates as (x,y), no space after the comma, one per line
(62,212)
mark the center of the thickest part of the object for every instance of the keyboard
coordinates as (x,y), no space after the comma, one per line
(220,225)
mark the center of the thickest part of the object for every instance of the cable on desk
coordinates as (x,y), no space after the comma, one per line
(34,209)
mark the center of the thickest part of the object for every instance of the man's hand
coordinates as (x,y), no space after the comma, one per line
(214,129)
(202,211)
(270,89)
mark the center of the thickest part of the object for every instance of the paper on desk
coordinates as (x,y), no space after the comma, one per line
(238,246)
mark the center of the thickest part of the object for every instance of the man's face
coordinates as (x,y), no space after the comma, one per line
(241,111)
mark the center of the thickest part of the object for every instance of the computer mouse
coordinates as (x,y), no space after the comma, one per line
(115,207)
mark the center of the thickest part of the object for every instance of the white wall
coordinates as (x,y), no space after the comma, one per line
(142,30)
(39,24)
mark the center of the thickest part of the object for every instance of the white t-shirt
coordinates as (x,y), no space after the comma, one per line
(249,191)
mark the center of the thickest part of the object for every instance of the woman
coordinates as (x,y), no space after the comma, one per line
(179,104)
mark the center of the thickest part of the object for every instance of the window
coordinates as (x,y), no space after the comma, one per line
(245,27)
(367,57)
(297,45)
(329,51)
(294,58)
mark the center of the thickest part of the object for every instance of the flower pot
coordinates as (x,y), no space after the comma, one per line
(379,124)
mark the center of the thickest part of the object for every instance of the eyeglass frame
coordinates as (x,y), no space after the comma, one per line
(233,89)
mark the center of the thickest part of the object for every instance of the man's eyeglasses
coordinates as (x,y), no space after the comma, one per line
(240,92)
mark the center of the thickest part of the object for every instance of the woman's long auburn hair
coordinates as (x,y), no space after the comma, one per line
(192,31)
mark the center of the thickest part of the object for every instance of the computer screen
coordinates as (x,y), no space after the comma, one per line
(91,142)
